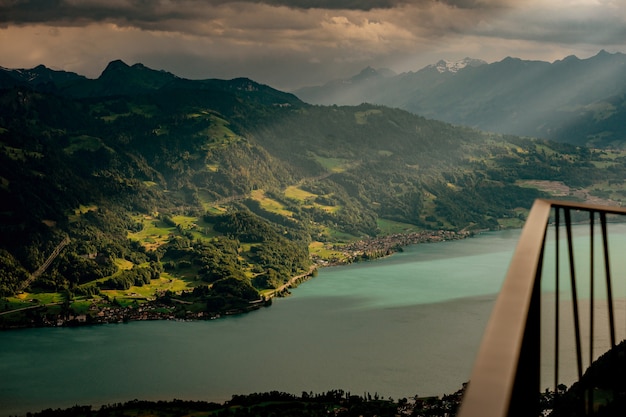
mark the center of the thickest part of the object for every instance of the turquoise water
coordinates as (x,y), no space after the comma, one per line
(422,274)
(404,325)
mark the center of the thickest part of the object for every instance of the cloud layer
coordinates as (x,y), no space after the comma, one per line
(289,43)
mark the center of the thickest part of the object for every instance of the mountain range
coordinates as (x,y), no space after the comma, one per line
(217,192)
(573,100)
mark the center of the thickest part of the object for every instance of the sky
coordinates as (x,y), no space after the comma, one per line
(293,43)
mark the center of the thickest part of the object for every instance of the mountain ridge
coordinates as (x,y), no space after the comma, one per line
(515,96)
(121,79)
(455,66)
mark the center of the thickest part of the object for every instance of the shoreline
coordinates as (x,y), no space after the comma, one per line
(109,312)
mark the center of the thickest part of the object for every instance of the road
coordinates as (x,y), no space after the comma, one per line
(291,281)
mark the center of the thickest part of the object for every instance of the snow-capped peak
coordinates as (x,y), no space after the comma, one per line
(454,66)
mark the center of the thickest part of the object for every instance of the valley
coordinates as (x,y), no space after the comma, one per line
(204,198)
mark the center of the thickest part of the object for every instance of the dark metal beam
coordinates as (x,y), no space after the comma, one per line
(490,388)
(506,375)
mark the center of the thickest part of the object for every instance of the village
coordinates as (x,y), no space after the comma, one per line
(105,312)
(378,247)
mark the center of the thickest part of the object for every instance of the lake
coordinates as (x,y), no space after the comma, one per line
(400,326)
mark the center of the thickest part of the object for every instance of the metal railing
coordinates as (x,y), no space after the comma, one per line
(506,379)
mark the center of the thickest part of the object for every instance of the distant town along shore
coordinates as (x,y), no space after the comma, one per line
(382,246)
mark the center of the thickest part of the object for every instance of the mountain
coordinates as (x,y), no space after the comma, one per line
(117,79)
(217,192)
(455,66)
(374,86)
(572,100)
(120,79)
(39,77)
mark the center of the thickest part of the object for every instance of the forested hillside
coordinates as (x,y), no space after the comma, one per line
(206,196)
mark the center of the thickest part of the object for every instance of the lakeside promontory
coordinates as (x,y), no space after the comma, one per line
(193,304)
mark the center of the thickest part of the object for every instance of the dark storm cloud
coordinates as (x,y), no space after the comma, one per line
(81,12)
(77,12)
(333,4)
(373,4)
(377,4)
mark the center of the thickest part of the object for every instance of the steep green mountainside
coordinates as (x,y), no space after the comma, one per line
(231,188)
(579,101)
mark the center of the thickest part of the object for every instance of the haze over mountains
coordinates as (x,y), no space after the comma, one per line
(573,100)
